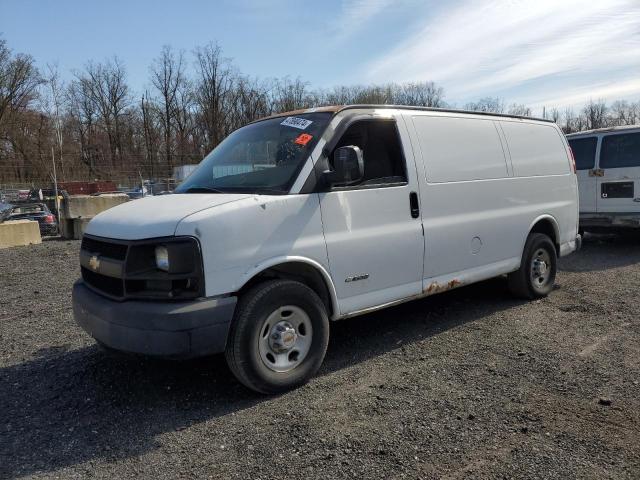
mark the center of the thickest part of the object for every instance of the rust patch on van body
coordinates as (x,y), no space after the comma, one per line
(436,287)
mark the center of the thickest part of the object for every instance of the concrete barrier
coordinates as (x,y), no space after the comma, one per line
(65,226)
(19,232)
(79,225)
(88,206)
(78,210)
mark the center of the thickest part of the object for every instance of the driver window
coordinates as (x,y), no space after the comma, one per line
(384,162)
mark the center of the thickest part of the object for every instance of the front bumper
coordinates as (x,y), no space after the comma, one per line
(171,329)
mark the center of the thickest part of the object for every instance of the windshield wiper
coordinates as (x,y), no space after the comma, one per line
(202,189)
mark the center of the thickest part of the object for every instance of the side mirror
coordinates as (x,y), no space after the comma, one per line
(348,166)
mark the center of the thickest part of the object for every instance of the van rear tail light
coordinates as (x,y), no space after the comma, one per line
(573,160)
(49,219)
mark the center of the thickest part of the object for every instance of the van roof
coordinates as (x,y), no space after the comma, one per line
(340,108)
(603,130)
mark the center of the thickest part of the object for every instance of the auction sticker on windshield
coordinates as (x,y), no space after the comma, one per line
(296,122)
(303,139)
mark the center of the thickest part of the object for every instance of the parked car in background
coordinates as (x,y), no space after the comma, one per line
(608,165)
(324,214)
(33,211)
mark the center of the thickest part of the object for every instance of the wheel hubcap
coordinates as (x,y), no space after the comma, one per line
(285,338)
(540,268)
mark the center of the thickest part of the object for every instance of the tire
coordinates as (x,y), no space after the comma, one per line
(110,352)
(531,281)
(279,336)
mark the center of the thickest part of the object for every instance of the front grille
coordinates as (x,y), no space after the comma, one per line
(102,250)
(109,285)
(117,251)
(126,269)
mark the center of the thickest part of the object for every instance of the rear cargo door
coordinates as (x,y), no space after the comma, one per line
(618,174)
(584,151)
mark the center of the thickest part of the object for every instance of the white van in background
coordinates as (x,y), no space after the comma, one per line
(323,214)
(608,163)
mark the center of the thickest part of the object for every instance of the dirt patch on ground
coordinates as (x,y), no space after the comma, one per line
(467,384)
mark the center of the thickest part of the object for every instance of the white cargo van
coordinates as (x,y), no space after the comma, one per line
(608,163)
(323,214)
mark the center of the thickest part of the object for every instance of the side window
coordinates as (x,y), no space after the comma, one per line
(584,151)
(618,151)
(384,162)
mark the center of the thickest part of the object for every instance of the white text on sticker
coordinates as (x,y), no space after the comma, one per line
(296,122)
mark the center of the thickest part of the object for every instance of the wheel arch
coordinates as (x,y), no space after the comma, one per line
(302,269)
(547,225)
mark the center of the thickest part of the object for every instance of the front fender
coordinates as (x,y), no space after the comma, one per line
(272,262)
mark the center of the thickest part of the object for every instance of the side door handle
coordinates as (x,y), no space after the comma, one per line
(414,205)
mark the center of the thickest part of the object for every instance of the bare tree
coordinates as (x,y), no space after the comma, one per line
(624,112)
(148,132)
(249,100)
(167,76)
(519,109)
(487,104)
(52,103)
(214,84)
(99,132)
(337,96)
(290,95)
(119,99)
(554,114)
(82,118)
(421,94)
(106,88)
(595,114)
(19,79)
(184,119)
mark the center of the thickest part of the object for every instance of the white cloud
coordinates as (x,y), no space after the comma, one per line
(483,47)
(355,14)
(577,97)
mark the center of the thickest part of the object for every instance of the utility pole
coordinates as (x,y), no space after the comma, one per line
(55,184)
(55,97)
(141,182)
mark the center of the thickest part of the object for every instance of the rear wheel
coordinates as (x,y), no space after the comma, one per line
(279,336)
(537,272)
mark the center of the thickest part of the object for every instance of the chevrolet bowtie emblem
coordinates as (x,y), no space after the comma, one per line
(94,263)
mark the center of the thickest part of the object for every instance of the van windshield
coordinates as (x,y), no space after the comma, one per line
(263,157)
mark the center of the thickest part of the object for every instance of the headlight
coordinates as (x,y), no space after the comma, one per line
(162,258)
(169,268)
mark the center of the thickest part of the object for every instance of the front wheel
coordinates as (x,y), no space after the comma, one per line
(279,336)
(537,272)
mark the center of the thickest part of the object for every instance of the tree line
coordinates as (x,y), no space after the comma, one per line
(95,126)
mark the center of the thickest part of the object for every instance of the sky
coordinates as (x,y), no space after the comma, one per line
(547,53)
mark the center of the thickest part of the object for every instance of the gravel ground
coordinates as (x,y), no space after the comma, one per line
(467,384)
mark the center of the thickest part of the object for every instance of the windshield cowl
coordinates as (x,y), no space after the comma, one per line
(254,191)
